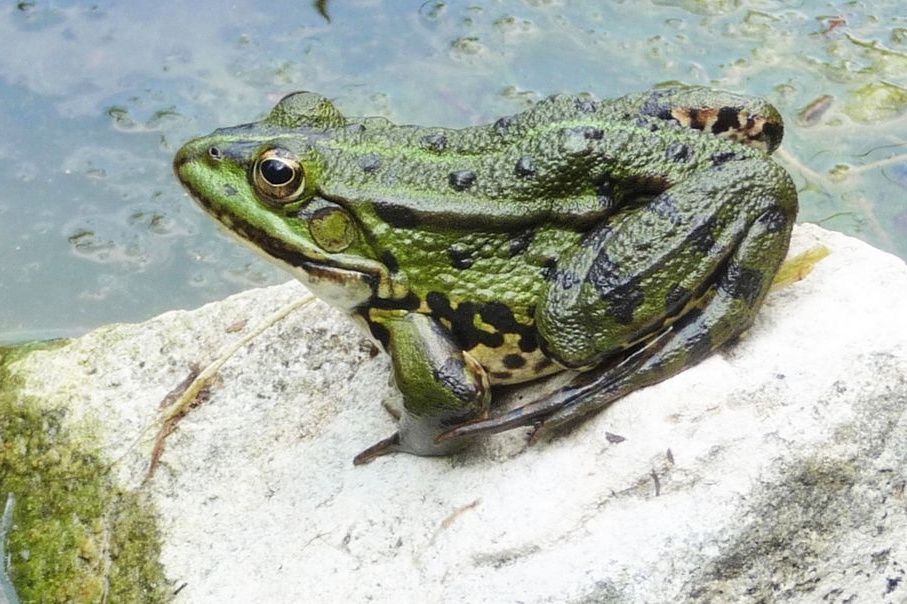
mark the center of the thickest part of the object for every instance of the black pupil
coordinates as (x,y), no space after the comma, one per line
(276,172)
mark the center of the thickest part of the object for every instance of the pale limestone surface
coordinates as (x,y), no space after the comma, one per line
(774,471)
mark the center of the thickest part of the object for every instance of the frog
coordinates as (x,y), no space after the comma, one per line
(614,241)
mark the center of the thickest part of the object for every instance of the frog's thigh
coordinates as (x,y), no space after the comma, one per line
(725,312)
(644,267)
(721,312)
(441,385)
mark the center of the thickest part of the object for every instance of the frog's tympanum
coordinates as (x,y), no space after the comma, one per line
(623,239)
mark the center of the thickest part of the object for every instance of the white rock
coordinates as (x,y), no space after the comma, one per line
(773,471)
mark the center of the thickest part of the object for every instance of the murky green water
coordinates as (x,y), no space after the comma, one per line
(96,97)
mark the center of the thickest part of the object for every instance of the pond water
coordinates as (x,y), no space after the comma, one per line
(96,97)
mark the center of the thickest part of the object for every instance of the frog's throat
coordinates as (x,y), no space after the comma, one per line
(343,281)
(339,287)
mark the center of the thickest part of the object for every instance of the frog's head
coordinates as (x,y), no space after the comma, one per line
(260,181)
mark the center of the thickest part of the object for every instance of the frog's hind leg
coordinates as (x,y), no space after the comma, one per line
(719,315)
(584,384)
(694,337)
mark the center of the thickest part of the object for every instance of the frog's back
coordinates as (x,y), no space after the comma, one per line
(567,159)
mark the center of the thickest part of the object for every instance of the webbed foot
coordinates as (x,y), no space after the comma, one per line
(587,393)
(416,436)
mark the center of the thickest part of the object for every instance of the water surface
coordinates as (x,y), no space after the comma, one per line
(96,97)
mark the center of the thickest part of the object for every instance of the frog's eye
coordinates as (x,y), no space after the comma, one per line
(278,176)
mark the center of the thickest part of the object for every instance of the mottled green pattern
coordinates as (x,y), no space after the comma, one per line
(628,238)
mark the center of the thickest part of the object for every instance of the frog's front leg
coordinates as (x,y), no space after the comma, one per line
(652,293)
(442,387)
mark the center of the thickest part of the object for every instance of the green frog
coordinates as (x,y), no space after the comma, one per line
(623,240)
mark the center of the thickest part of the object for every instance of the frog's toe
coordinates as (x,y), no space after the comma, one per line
(388,445)
(526,415)
(545,416)
(557,422)
(414,438)
(392,410)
